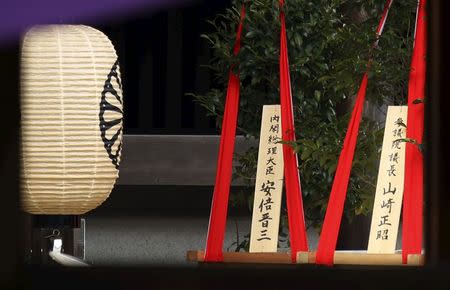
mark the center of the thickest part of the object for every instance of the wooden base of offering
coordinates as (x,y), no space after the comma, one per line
(363,258)
(340,258)
(244,257)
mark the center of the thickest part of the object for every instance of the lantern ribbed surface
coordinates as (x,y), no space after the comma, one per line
(71,108)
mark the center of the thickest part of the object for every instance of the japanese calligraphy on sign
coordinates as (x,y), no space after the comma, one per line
(269,183)
(389,191)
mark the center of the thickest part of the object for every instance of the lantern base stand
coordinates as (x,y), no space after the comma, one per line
(340,258)
(45,229)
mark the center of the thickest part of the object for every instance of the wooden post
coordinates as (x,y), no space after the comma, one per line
(269,183)
(389,191)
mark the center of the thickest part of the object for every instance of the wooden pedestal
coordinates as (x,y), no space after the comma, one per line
(340,258)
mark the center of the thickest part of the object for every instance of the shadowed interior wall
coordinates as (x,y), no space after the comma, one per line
(162,59)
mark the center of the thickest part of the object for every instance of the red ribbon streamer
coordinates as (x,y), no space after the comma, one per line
(297,230)
(413,192)
(333,215)
(219,207)
(217,222)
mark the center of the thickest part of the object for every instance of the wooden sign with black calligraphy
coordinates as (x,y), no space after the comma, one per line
(389,191)
(269,183)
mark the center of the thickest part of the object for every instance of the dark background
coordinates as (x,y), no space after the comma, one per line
(161,57)
(435,275)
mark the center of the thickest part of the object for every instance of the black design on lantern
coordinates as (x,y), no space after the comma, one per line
(106,125)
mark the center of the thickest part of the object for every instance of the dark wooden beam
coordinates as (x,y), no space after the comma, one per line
(437,136)
(173,159)
(174,69)
(9,166)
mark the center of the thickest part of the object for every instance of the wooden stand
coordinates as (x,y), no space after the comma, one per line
(244,257)
(363,258)
(340,258)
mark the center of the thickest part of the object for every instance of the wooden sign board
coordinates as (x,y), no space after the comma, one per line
(389,190)
(269,183)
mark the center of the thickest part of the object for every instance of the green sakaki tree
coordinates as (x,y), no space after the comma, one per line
(329,43)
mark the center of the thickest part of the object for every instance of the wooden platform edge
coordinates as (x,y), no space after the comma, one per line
(340,258)
(359,258)
(243,257)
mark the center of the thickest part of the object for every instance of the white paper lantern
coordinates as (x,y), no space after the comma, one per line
(71,102)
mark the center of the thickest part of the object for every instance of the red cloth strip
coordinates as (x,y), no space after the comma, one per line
(413,193)
(296,219)
(219,207)
(333,216)
(384,16)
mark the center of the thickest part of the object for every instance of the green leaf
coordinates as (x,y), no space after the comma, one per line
(317,95)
